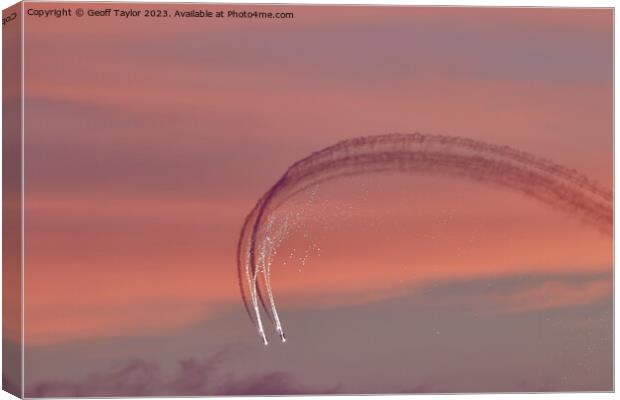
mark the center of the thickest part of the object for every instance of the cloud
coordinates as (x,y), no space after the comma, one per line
(554,294)
(447,337)
(192,377)
(270,384)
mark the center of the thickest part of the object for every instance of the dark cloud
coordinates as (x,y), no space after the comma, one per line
(191,378)
(269,384)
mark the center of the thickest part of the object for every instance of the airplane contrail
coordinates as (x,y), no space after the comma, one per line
(555,185)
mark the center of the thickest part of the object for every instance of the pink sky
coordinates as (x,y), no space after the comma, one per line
(148,141)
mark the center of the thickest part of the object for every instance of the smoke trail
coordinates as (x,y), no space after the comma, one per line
(559,187)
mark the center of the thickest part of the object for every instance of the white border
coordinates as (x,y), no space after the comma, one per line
(477,3)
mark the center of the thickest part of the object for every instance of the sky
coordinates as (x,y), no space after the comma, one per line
(148,141)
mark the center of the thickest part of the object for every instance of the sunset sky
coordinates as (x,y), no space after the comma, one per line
(147,142)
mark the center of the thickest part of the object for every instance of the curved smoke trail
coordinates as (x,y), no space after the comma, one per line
(558,186)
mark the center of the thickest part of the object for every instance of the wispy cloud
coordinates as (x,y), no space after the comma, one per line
(192,377)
